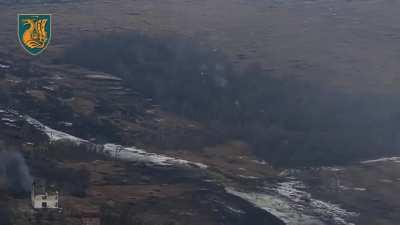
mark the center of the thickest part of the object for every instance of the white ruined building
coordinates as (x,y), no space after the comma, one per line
(44,200)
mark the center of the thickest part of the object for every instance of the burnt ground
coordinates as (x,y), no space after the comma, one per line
(344,44)
(93,187)
(115,192)
(98,106)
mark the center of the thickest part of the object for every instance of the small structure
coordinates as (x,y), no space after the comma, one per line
(44,200)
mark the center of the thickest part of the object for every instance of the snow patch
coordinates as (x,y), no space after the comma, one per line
(248,177)
(261,162)
(295,191)
(4,66)
(139,155)
(9,117)
(278,207)
(54,135)
(359,189)
(113,150)
(345,188)
(333,169)
(230,208)
(293,205)
(8,120)
(237,211)
(105,77)
(386,159)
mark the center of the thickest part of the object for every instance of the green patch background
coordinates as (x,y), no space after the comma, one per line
(22,28)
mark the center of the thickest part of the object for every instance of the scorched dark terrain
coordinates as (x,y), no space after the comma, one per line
(203,112)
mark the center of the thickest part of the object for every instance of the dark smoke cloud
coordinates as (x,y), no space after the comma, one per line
(14,173)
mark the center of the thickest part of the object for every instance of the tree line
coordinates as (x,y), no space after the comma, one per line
(287,121)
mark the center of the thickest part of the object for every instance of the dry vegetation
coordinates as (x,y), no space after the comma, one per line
(340,45)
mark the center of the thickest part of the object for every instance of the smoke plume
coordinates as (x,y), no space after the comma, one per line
(14,173)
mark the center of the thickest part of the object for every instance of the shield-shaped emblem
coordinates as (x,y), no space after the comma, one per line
(34,32)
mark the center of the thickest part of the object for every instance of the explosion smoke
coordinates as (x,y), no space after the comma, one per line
(14,173)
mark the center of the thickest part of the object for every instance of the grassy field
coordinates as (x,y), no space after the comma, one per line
(350,45)
(371,189)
